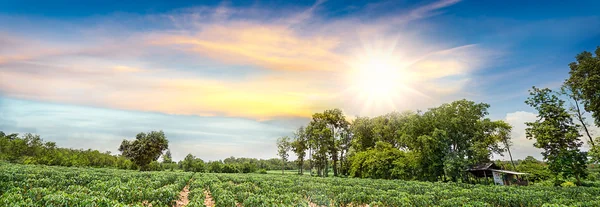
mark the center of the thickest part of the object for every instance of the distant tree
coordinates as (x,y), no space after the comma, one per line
(215,166)
(556,134)
(192,164)
(167,157)
(537,170)
(283,147)
(145,148)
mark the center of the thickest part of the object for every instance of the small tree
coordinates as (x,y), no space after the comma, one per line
(283,146)
(167,157)
(556,134)
(145,148)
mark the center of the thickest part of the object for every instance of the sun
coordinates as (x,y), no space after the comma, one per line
(378,80)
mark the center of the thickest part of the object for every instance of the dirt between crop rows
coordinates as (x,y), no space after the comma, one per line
(183,197)
(209,202)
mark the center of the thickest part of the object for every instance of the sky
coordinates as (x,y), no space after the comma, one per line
(227,78)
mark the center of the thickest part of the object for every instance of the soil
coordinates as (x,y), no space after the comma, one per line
(208,202)
(183,197)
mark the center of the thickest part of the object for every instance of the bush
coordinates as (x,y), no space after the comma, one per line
(262,171)
(568,184)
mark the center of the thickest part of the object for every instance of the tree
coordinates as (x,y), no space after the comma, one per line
(556,134)
(145,148)
(335,121)
(363,138)
(167,157)
(299,146)
(584,81)
(192,164)
(283,146)
(577,111)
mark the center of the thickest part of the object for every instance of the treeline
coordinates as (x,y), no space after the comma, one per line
(230,165)
(438,144)
(31,149)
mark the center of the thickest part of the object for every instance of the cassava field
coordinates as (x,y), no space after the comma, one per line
(34,185)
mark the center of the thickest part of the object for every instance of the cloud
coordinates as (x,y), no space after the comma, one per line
(80,127)
(302,62)
(522,147)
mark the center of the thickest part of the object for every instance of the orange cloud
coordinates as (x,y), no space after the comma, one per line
(271,46)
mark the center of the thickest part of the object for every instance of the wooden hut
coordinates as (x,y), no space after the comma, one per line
(498,175)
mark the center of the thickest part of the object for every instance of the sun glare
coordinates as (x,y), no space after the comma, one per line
(377,77)
(379,80)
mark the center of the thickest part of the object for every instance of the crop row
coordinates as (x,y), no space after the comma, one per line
(251,190)
(29,185)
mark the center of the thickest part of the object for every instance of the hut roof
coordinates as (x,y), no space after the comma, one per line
(484,166)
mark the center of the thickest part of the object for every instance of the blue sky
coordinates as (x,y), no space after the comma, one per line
(226,78)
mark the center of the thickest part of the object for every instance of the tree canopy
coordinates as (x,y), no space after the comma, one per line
(556,134)
(145,148)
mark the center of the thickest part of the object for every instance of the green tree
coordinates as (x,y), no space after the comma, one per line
(537,170)
(383,162)
(167,157)
(363,135)
(145,148)
(299,146)
(584,81)
(192,164)
(556,134)
(283,147)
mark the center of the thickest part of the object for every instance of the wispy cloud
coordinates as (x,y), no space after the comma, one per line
(304,58)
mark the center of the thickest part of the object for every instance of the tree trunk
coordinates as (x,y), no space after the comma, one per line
(335,169)
(310,163)
(325,174)
(580,117)
(302,167)
(342,162)
(511,159)
(282,167)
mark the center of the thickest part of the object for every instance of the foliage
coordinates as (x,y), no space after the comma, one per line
(299,146)
(383,161)
(192,164)
(556,134)
(274,190)
(167,157)
(283,146)
(145,148)
(32,149)
(36,185)
(584,79)
(537,170)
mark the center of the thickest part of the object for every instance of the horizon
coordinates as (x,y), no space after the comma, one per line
(226,79)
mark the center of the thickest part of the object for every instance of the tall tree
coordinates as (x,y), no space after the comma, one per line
(299,146)
(556,134)
(584,81)
(336,122)
(283,147)
(145,148)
